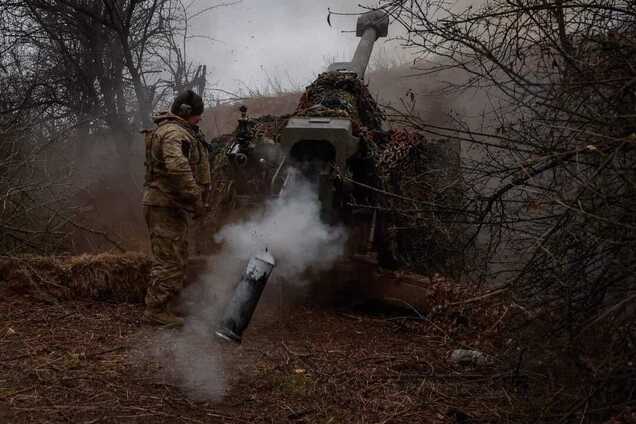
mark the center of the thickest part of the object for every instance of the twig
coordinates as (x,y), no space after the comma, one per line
(104,352)
(420,315)
(300,355)
(480,298)
(99,233)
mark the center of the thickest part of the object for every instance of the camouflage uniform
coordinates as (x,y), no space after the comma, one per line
(177,175)
(200,162)
(203,176)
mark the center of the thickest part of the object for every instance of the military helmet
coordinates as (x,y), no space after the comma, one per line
(187,104)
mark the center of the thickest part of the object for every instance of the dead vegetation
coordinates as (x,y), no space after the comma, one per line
(87,362)
(378,361)
(548,202)
(548,177)
(105,277)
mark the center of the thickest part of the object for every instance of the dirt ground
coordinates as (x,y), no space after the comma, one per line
(88,362)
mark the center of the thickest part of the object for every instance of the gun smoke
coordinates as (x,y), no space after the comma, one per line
(292,230)
(290,227)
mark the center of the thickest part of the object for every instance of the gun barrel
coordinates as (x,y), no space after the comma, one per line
(362,55)
(371,26)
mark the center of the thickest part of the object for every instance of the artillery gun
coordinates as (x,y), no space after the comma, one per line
(327,140)
(336,140)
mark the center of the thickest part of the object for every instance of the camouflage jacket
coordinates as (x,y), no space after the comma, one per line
(177,165)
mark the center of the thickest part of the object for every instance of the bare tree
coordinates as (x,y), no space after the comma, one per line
(549,169)
(90,73)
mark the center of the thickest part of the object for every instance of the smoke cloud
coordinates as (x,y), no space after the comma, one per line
(290,227)
(192,360)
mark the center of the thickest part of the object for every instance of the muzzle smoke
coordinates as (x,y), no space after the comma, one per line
(291,229)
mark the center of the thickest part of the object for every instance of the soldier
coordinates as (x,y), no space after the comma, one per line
(177,184)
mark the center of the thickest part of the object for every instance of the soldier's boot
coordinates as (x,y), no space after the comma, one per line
(163,317)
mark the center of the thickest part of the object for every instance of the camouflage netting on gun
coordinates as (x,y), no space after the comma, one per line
(268,127)
(111,278)
(230,180)
(222,195)
(341,96)
(424,179)
(424,175)
(238,187)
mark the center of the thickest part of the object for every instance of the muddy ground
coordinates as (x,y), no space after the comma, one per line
(89,362)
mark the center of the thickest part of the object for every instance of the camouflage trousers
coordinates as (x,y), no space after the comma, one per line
(168,228)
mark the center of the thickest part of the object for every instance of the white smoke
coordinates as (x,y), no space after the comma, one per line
(192,360)
(291,229)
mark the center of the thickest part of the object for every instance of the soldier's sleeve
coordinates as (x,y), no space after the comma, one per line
(204,171)
(178,169)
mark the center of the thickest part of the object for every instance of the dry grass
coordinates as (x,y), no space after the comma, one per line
(84,362)
(105,277)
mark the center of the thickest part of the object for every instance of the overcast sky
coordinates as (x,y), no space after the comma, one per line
(288,40)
